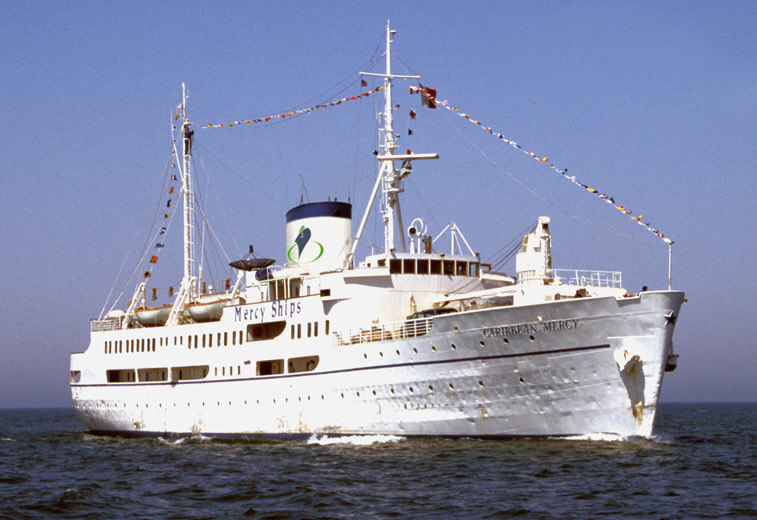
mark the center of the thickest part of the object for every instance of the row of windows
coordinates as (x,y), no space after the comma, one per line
(432,266)
(255,332)
(263,368)
(149,344)
(311,329)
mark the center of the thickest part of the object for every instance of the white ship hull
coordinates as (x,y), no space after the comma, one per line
(412,340)
(558,374)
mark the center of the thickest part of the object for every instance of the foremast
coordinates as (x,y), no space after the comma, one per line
(187,290)
(389,177)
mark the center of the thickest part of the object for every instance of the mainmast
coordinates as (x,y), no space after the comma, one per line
(188,289)
(187,192)
(389,176)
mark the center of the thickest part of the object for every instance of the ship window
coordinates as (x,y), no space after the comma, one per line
(189,341)
(233,338)
(395,266)
(223,371)
(436,266)
(242,332)
(422,266)
(189,372)
(210,340)
(270,367)
(408,266)
(120,375)
(382,262)
(263,331)
(299,330)
(153,344)
(294,287)
(449,267)
(218,343)
(310,329)
(473,269)
(462,268)
(152,374)
(196,342)
(327,327)
(204,340)
(315,329)
(302,364)
(226,338)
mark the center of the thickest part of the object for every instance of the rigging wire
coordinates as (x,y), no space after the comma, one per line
(536,193)
(146,248)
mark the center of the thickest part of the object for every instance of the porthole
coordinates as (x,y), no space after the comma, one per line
(454,347)
(456,328)
(411,389)
(482,343)
(431,388)
(391,390)
(451,386)
(415,350)
(365,356)
(531,337)
(480,383)
(433,348)
(522,381)
(398,352)
(381,354)
(505,340)
(342,395)
(358,394)
(374,392)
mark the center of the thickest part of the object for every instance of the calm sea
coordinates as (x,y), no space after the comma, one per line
(702,464)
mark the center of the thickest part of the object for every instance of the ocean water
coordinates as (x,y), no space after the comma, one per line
(701,464)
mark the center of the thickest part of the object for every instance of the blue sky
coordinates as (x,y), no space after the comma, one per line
(651,102)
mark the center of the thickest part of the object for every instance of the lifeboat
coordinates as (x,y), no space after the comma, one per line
(153,316)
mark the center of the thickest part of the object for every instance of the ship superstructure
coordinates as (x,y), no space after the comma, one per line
(408,341)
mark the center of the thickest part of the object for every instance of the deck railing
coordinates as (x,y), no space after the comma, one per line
(383,332)
(96,325)
(580,278)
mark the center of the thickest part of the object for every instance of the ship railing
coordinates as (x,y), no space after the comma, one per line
(383,332)
(103,324)
(587,278)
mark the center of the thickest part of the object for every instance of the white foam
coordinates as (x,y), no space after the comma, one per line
(354,440)
(606,437)
(180,440)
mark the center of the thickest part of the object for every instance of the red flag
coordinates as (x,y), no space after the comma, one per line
(412,114)
(429,96)
(154,260)
(363,83)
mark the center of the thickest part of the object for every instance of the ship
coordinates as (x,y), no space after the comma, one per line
(414,340)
